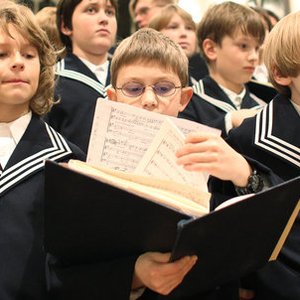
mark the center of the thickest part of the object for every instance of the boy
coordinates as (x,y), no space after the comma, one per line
(273,138)
(26,93)
(87,29)
(142,11)
(229,37)
(164,90)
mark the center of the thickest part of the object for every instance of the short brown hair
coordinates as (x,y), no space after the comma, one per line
(25,23)
(282,50)
(150,46)
(225,19)
(162,20)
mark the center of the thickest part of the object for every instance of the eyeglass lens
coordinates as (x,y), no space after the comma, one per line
(163,88)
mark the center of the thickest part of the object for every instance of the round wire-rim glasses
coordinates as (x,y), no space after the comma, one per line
(136,89)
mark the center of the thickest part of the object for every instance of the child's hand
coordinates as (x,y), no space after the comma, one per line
(154,271)
(207,152)
(238,116)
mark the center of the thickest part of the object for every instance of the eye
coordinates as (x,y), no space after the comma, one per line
(110,12)
(132,89)
(91,10)
(172,26)
(164,88)
(3,54)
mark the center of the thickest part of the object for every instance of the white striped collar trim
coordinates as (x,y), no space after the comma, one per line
(60,70)
(19,171)
(199,90)
(266,140)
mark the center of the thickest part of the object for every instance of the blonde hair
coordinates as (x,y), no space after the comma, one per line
(24,22)
(46,18)
(282,50)
(162,20)
(226,19)
(150,46)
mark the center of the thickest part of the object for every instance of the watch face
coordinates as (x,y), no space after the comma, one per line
(255,183)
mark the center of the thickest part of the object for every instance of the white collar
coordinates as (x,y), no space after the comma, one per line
(17,127)
(99,70)
(235,98)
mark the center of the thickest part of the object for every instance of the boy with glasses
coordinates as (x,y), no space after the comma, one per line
(150,71)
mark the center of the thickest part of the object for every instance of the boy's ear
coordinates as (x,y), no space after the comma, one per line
(282,80)
(209,48)
(186,95)
(65,30)
(111,93)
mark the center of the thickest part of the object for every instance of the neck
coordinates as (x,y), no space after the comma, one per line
(94,59)
(8,115)
(232,86)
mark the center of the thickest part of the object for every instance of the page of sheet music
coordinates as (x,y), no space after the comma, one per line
(160,158)
(121,134)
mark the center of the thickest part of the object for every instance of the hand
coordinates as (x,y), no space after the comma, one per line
(208,152)
(154,271)
(238,116)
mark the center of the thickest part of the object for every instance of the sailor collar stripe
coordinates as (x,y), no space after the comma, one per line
(198,89)
(60,70)
(33,163)
(266,140)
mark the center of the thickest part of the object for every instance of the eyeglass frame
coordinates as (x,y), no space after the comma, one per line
(149,85)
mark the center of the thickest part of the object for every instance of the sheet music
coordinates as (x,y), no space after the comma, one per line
(121,134)
(160,159)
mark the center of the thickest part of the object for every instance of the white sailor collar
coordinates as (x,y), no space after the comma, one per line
(267,138)
(51,146)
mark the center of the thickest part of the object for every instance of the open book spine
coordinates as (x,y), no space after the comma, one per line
(180,197)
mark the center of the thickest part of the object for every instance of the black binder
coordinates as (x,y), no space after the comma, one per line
(87,221)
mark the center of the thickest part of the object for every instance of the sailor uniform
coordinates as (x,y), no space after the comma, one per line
(22,258)
(77,88)
(273,138)
(210,104)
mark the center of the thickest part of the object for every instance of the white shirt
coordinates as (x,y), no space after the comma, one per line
(100,71)
(236,99)
(10,135)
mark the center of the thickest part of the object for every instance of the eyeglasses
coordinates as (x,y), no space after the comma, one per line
(136,89)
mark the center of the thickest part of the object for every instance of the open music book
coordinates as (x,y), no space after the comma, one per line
(135,140)
(134,148)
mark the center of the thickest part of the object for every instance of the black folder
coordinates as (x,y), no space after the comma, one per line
(87,221)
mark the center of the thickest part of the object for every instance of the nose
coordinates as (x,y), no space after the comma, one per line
(253,55)
(18,63)
(102,17)
(138,20)
(149,98)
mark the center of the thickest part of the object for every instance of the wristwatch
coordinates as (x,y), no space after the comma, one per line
(255,184)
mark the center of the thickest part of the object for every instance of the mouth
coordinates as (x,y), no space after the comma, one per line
(14,81)
(103,31)
(249,69)
(184,45)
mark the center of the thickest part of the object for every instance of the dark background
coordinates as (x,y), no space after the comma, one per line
(124,20)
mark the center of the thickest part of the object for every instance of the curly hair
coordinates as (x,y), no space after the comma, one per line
(23,20)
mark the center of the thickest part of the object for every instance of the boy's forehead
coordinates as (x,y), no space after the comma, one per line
(239,34)
(146,70)
(10,31)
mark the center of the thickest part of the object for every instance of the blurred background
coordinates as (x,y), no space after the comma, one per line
(194,7)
